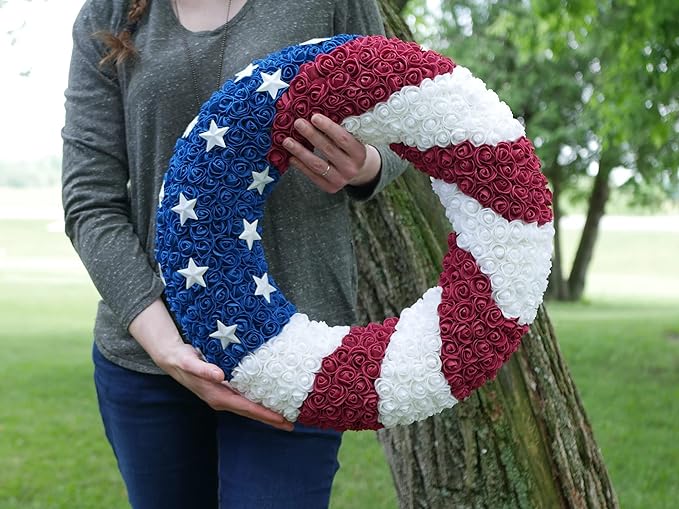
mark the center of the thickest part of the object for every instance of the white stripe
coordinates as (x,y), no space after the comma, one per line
(411,386)
(447,110)
(280,374)
(516,256)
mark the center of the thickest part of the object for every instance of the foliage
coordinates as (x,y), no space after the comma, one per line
(635,48)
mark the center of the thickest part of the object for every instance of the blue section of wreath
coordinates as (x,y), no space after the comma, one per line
(219,179)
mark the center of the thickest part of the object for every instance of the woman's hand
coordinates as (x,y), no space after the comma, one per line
(348,161)
(154,329)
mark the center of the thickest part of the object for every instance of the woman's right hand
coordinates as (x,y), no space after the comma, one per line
(154,329)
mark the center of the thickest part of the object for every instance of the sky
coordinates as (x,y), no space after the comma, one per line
(35,38)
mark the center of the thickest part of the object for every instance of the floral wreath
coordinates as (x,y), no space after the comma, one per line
(447,124)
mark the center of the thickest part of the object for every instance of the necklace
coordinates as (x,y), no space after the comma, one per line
(189,57)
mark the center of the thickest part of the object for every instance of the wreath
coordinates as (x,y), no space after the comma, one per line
(431,112)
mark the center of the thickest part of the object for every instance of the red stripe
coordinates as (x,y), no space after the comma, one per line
(344,395)
(350,80)
(505,177)
(476,339)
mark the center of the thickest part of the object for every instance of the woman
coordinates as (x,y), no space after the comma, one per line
(188,440)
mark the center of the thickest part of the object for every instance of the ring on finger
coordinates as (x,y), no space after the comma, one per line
(327,170)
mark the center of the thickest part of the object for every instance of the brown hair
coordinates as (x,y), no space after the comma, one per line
(120,45)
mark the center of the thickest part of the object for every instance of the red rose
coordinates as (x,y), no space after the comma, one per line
(464,150)
(501,185)
(463,333)
(382,68)
(490,363)
(340,53)
(346,110)
(445,158)
(366,80)
(531,214)
(483,155)
(484,194)
(330,413)
(461,291)
(299,85)
(352,67)
(480,284)
(376,351)
(400,65)
(371,369)
(322,382)
(361,386)
(315,401)
(516,209)
(533,163)
(413,77)
(481,348)
(503,153)
(446,325)
(338,79)
(500,205)
(519,193)
(449,348)
(368,56)
(395,81)
(346,375)
(468,268)
(387,54)
(364,102)
(380,93)
(301,106)
(481,303)
(479,329)
(493,317)
(279,159)
(507,170)
(318,91)
(451,365)
(336,394)
(342,355)
(325,64)
(358,357)
(485,174)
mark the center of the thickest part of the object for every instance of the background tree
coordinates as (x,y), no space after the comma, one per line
(521,441)
(555,75)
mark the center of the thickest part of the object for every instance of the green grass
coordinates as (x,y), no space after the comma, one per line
(622,347)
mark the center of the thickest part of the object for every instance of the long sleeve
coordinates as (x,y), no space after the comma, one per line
(95,173)
(363,17)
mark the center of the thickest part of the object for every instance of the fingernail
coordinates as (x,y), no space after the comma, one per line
(287,143)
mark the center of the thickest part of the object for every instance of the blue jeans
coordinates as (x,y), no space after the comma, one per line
(174,451)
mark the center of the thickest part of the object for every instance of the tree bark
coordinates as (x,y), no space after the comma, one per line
(522,441)
(595,211)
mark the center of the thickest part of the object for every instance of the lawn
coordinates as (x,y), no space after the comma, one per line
(621,344)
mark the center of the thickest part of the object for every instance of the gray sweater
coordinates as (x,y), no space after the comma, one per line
(120,130)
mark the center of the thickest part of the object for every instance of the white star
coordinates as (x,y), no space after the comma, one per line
(162,278)
(193,274)
(190,127)
(214,136)
(317,40)
(185,209)
(272,83)
(263,286)
(245,73)
(225,334)
(260,180)
(250,233)
(161,194)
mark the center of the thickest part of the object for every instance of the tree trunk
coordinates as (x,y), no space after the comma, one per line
(522,441)
(595,211)
(558,287)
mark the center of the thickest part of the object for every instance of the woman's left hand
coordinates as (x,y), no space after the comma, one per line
(348,161)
